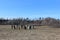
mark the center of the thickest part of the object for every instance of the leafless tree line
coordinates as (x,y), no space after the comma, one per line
(52,22)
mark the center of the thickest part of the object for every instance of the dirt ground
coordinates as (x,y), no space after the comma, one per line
(39,33)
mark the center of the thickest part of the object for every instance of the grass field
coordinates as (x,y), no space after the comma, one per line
(39,33)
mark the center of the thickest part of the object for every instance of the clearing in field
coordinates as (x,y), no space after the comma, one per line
(39,33)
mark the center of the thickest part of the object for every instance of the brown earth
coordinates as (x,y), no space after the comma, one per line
(39,33)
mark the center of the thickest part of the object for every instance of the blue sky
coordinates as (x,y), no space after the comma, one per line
(29,8)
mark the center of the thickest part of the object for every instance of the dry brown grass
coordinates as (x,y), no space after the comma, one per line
(40,33)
